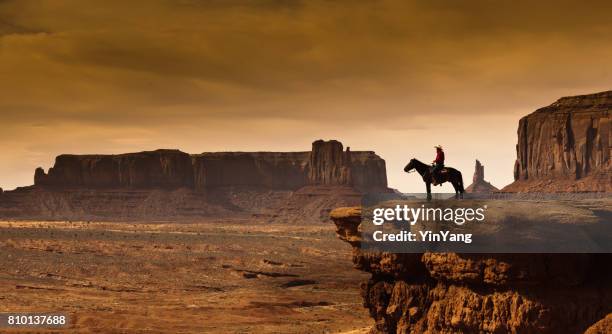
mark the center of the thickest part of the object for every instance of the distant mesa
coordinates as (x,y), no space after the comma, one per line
(479,185)
(565,147)
(170,184)
(326,164)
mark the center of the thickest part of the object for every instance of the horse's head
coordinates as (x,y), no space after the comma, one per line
(410,165)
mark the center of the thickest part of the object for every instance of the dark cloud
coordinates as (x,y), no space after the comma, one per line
(147,65)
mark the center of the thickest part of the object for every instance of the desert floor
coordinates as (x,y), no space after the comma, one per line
(223,276)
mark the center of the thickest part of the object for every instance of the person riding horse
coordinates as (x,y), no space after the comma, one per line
(438,164)
(437,174)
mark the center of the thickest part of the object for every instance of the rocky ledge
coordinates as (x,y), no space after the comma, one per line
(480,293)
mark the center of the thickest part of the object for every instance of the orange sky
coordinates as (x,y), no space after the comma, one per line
(396,77)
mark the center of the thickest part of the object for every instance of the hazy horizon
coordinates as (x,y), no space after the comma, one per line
(392,77)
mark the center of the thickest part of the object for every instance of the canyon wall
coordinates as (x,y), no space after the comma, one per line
(565,147)
(156,169)
(330,165)
(479,293)
(326,164)
(276,170)
(173,185)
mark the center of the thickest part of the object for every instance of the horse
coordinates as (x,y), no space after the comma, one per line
(446,174)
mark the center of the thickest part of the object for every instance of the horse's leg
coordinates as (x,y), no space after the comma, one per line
(428,186)
(456,186)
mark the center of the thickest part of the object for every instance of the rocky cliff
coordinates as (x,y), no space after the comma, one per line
(156,169)
(170,184)
(326,164)
(275,170)
(479,185)
(479,293)
(330,165)
(565,147)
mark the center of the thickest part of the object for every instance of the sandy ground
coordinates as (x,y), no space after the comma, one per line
(226,276)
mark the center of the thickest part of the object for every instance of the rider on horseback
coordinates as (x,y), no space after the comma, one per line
(438,164)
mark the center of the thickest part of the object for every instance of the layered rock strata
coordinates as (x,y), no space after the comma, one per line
(326,164)
(565,147)
(479,293)
(156,169)
(170,184)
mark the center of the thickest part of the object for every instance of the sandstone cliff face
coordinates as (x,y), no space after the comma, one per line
(326,164)
(155,169)
(566,146)
(479,185)
(170,184)
(276,170)
(479,293)
(331,165)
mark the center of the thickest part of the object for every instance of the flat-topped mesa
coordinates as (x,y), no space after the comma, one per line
(331,165)
(151,169)
(276,170)
(479,185)
(326,164)
(565,147)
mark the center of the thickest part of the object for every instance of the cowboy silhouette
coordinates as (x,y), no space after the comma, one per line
(438,164)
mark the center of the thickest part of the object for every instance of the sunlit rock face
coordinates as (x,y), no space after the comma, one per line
(565,147)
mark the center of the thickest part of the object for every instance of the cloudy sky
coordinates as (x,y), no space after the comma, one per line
(397,77)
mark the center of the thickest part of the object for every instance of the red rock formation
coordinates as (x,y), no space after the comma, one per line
(368,171)
(275,170)
(604,326)
(565,147)
(479,185)
(330,165)
(155,169)
(169,184)
(326,164)
(479,293)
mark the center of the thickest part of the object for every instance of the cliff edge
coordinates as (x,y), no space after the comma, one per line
(479,293)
